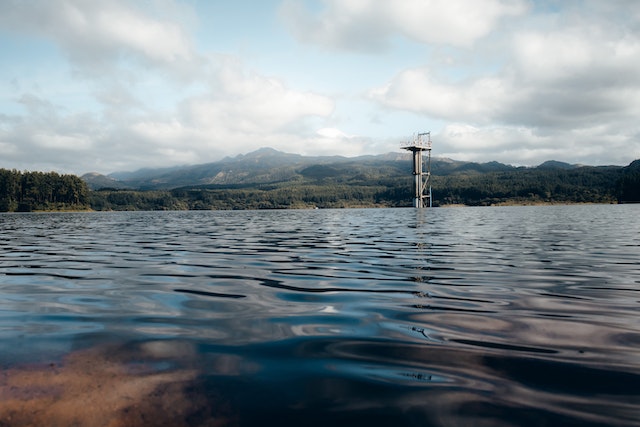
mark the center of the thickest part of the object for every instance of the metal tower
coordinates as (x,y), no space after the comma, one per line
(422,180)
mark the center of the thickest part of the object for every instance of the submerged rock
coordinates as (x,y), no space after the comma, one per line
(107,386)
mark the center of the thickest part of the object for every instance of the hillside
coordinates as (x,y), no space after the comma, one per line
(96,181)
(267,165)
(267,178)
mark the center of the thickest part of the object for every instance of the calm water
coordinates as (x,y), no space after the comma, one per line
(504,316)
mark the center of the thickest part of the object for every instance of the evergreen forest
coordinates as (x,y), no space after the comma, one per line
(39,191)
(332,185)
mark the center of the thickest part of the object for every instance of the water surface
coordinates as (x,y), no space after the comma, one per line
(503,316)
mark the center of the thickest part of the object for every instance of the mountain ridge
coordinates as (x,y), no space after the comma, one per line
(270,165)
(270,179)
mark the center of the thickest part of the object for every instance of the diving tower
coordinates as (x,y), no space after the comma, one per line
(420,146)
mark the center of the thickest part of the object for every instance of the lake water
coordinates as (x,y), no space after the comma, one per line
(501,316)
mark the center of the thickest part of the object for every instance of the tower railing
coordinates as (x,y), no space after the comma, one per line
(420,141)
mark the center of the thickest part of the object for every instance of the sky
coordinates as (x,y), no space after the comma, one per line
(105,86)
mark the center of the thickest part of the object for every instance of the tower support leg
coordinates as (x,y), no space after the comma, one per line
(417,176)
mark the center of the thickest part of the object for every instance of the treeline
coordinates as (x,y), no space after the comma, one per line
(577,185)
(39,191)
(629,184)
(29,191)
(279,196)
(519,186)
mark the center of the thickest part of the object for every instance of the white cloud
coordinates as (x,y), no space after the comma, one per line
(90,32)
(7,149)
(263,104)
(62,142)
(332,141)
(155,40)
(332,133)
(569,92)
(144,115)
(559,79)
(246,108)
(573,77)
(457,22)
(593,145)
(553,56)
(419,91)
(369,24)
(240,112)
(129,84)
(161,133)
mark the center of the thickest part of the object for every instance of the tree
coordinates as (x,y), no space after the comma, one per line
(27,191)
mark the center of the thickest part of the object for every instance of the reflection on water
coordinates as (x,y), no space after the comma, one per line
(490,316)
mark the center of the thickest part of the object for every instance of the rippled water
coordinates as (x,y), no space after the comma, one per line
(466,316)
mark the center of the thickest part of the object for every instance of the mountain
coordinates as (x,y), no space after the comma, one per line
(267,178)
(553,164)
(633,166)
(270,179)
(267,165)
(260,166)
(453,167)
(96,181)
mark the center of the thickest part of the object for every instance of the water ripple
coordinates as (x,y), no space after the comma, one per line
(494,316)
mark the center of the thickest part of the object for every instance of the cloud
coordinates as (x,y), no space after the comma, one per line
(571,91)
(46,134)
(466,142)
(525,146)
(95,34)
(332,133)
(559,79)
(418,90)
(572,76)
(240,112)
(120,85)
(243,111)
(253,104)
(140,110)
(369,25)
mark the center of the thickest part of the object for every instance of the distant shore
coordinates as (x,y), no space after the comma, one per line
(345,206)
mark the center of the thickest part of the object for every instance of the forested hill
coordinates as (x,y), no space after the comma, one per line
(268,179)
(267,165)
(38,191)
